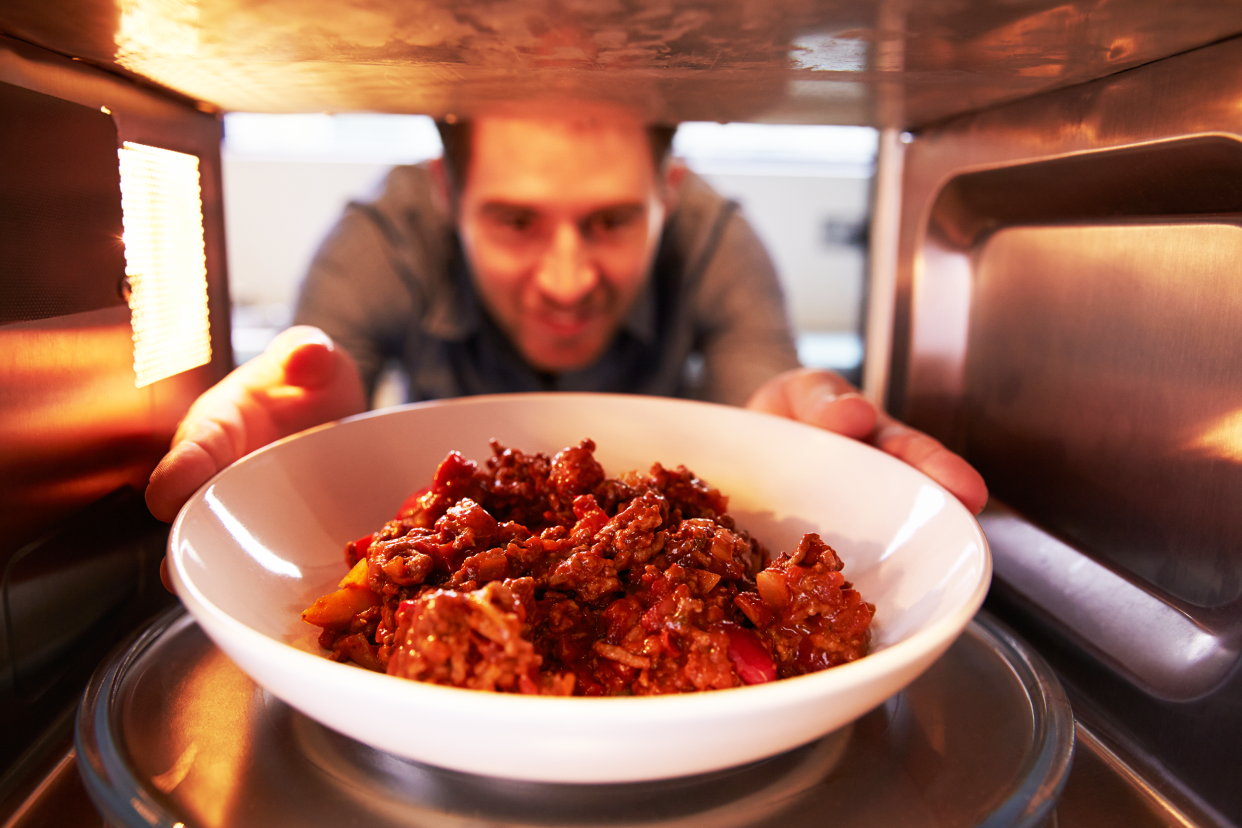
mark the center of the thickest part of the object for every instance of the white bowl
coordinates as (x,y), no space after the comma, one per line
(258,543)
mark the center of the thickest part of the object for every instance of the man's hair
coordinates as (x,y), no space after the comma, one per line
(456,137)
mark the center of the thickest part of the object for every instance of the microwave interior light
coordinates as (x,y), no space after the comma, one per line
(164,261)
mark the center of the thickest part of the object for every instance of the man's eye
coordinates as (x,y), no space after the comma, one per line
(519,220)
(611,221)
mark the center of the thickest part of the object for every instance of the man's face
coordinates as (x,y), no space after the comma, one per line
(560,219)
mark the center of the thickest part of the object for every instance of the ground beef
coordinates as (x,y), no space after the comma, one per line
(543,575)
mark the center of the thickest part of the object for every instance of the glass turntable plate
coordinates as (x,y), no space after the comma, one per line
(172,733)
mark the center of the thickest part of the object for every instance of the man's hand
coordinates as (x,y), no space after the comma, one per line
(301,380)
(824,399)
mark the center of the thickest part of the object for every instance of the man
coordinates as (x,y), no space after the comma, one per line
(551,249)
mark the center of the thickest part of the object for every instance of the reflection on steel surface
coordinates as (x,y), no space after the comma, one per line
(72,425)
(1220,438)
(882,62)
(1068,315)
(1079,342)
(1104,790)
(94,578)
(1159,646)
(58,161)
(1095,354)
(884,234)
(1154,177)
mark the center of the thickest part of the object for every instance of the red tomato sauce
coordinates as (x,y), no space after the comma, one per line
(542,575)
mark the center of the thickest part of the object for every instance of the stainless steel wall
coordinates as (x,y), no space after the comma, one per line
(1069,316)
(79,553)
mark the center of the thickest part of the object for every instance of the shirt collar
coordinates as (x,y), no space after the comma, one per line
(453,310)
(640,322)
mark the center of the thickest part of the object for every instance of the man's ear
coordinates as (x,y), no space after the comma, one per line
(441,191)
(674,174)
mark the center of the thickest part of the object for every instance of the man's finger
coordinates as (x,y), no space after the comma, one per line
(186,467)
(929,456)
(819,398)
(849,414)
(307,356)
(165,578)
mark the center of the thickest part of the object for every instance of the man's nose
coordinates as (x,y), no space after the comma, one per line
(566,274)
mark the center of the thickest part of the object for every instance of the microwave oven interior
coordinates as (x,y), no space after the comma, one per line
(1053,292)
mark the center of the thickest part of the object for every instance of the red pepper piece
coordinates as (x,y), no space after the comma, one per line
(355,550)
(411,504)
(750,658)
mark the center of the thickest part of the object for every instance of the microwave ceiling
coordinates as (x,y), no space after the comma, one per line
(900,63)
